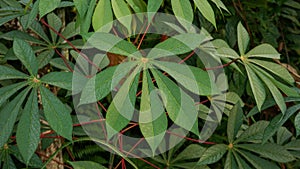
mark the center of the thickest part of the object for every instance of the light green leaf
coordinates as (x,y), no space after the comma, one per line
(137,5)
(59,79)
(103,83)
(121,10)
(276,69)
(179,105)
(213,154)
(220,5)
(121,109)
(243,38)
(253,133)
(56,23)
(273,89)
(257,87)
(86,165)
(194,79)
(297,124)
(269,150)
(183,9)
(47,6)
(9,115)
(28,132)
(257,162)
(227,52)
(26,55)
(111,43)
(264,51)
(103,8)
(152,118)
(206,10)
(56,113)
(152,7)
(7,91)
(235,120)
(81,6)
(10,73)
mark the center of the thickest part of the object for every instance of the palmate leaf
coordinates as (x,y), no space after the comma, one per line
(56,113)
(121,109)
(152,118)
(194,79)
(213,154)
(206,10)
(230,162)
(183,9)
(179,105)
(24,52)
(103,8)
(8,116)
(28,132)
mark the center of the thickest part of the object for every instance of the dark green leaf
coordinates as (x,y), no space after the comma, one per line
(47,6)
(28,132)
(59,79)
(25,53)
(32,15)
(4,20)
(57,114)
(235,120)
(21,35)
(11,73)
(213,154)
(297,124)
(56,23)
(253,133)
(86,165)
(7,91)
(152,7)
(44,58)
(59,63)
(192,151)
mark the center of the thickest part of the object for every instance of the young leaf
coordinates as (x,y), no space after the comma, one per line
(243,38)
(10,73)
(7,91)
(9,115)
(257,87)
(113,44)
(121,109)
(47,6)
(57,114)
(152,118)
(28,132)
(26,55)
(235,120)
(264,51)
(179,105)
(183,10)
(269,150)
(194,79)
(59,79)
(213,154)
(121,10)
(103,8)
(86,164)
(206,10)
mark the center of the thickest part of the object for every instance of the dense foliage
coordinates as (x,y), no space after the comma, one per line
(197,84)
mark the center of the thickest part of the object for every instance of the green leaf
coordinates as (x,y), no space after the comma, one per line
(37,28)
(230,162)
(243,38)
(137,5)
(227,52)
(32,15)
(103,8)
(44,58)
(192,151)
(152,118)
(9,115)
(194,79)
(56,113)
(8,18)
(59,79)
(293,145)
(28,132)
(59,63)
(213,154)
(10,73)
(273,89)
(297,124)
(269,150)
(70,31)
(86,165)
(47,6)
(26,55)
(152,7)
(121,109)
(276,69)
(56,23)
(21,35)
(111,43)
(220,5)
(206,10)
(257,162)
(81,6)
(179,105)
(264,51)
(257,87)
(7,91)
(253,133)
(235,120)
(103,83)
(121,10)
(183,9)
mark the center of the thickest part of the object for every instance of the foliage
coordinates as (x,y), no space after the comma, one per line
(141,84)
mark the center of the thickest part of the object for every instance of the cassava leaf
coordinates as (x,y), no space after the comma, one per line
(103,8)
(11,73)
(213,154)
(47,6)
(235,120)
(183,9)
(59,79)
(243,38)
(206,10)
